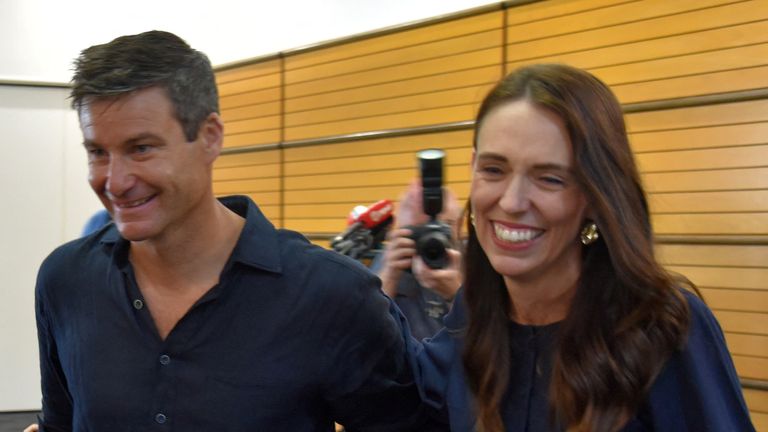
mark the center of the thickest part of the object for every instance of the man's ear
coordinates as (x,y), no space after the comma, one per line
(211,134)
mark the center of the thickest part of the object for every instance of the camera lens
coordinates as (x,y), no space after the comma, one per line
(432,249)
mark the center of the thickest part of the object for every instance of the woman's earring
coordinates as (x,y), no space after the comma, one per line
(589,233)
(472,219)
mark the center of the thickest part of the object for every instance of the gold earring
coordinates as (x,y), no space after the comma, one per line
(589,234)
(472,219)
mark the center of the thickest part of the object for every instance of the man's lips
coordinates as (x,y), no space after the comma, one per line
(132,204)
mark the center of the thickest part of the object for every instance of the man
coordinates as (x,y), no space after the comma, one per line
(423,294)
(190,313)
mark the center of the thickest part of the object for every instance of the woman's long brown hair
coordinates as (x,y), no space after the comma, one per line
(627,315)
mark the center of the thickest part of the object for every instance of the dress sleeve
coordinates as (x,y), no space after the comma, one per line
(371,385)
(57,402)
(699,390)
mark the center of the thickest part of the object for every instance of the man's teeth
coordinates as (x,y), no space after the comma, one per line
(514,235)
(135,203)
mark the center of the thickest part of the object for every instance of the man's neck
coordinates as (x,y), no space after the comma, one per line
(192,253)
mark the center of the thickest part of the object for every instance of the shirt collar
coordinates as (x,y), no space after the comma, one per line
(258,245)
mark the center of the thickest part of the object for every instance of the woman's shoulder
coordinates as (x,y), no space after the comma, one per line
(703,324)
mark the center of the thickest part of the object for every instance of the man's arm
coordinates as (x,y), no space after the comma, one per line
(57,402)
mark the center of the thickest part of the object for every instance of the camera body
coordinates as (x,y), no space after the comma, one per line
(434,237)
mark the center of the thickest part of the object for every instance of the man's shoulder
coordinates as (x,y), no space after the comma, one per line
(296,249)
(70,258)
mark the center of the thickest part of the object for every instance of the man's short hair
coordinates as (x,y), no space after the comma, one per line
(153,58)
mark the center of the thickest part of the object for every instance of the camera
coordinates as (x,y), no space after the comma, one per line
(434,237)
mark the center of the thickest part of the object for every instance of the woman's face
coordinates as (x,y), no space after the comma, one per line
(527,204)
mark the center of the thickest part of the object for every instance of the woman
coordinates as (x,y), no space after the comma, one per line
(567,322)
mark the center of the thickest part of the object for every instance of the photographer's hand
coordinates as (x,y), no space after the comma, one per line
(398,256)
(445,281)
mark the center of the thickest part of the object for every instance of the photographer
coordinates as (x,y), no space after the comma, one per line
(422,293)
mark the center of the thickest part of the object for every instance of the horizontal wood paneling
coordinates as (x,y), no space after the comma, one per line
(471,42)
(364,195)
(641,72)
(699,116)
(263,68)
(349,87)
(250,99)
(661,18)
(416,36)
(744,278)
(247,139)
(383,122)
(751,367)
(757,400)
(711,224)
(747,344)
(710,202)
(744,134)
(401,144)
(748,33)
(713,255)
(459,157)
(760,421)
(479,77)
(393,105)
(707,180)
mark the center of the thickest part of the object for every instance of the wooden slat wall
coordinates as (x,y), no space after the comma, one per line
(705,165)
(323,186)
(251,104)
(394,81)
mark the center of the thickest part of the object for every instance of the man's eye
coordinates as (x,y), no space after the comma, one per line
(142,148)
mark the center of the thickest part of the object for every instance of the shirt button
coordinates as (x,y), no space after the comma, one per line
(138,304)
(164,359)
(160,418)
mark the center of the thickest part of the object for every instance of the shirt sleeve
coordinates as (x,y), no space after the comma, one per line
(57,402)
(699,389)
(371,385)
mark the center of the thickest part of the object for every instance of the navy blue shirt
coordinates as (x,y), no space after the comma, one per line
(292,338)
(696,391)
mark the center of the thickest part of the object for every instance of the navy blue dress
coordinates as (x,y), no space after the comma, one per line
(697,390)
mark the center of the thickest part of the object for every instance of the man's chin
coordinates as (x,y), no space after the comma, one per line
(133,231)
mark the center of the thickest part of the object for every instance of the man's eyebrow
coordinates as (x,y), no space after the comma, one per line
(130,141)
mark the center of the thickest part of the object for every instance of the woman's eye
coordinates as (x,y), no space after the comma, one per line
(490,170)
(553,181)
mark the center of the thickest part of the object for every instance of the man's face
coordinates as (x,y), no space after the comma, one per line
(147,175)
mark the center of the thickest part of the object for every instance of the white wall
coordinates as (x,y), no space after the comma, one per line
(46,199)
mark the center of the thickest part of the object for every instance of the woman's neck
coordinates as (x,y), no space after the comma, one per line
(545,299)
